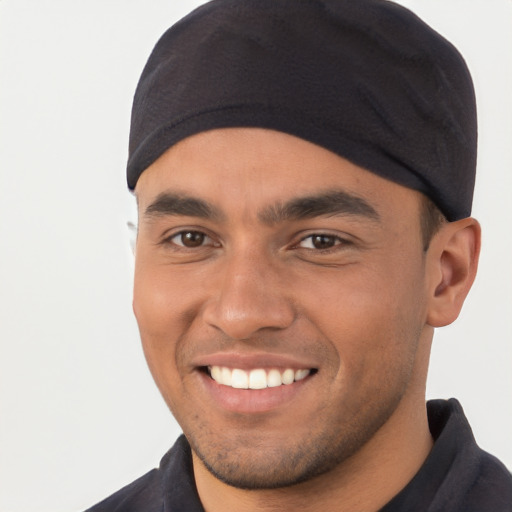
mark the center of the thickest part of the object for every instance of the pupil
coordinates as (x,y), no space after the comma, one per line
(323,241)
(192,239)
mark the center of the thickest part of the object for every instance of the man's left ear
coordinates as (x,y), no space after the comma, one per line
(452,262)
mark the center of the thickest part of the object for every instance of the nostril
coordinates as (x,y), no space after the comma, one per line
(242,316)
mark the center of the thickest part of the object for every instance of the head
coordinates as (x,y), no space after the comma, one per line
(294,252)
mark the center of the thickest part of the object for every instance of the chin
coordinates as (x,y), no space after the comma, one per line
(256,463)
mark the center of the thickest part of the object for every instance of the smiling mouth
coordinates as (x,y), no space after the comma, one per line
(257,378)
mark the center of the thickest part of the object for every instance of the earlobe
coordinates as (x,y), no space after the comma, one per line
(452,265)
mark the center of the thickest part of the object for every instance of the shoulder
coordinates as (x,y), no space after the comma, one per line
(170,487)
(143,494)
(491,487)
(474,480)
(457,476)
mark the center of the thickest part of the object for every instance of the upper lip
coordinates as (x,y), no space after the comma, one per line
(245,361)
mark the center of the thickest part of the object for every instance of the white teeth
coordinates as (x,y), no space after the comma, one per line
(274,379)
(257,378)
(288,376)
(216,372)
(225,375)
(239,379)
(301,374)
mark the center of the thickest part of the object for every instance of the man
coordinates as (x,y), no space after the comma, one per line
(304,173)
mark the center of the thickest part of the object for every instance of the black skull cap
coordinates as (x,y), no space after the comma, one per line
(365,79)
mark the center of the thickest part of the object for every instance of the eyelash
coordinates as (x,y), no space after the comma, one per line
(181,234)
(336,242)
(329,238)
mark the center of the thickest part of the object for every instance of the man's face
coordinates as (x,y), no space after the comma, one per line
(270,261)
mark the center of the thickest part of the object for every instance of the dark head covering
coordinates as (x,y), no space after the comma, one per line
(366,79)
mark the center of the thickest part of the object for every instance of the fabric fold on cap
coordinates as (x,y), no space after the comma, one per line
(365,79)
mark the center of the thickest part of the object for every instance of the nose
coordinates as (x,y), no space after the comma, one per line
(249,295)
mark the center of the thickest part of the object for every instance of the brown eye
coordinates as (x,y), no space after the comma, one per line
(323,241)
(190,239)
(320,242)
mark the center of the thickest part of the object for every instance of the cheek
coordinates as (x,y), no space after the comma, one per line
(166,304)
(154,306)
(159,299)
(372,316)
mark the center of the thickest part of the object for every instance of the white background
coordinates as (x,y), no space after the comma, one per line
(80,416)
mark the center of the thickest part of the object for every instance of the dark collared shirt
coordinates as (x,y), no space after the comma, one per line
(457,476)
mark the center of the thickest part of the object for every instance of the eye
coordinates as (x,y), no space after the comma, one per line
(191,239)
(320,241)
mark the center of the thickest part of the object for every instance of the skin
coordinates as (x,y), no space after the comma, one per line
(255,288)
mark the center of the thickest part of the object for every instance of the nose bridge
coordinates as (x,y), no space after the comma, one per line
(250,295)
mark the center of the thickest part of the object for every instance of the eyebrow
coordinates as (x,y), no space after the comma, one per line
(331,203)
(177,204)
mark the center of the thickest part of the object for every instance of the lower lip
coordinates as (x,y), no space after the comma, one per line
(251,401)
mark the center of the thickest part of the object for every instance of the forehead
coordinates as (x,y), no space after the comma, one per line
(254,167)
